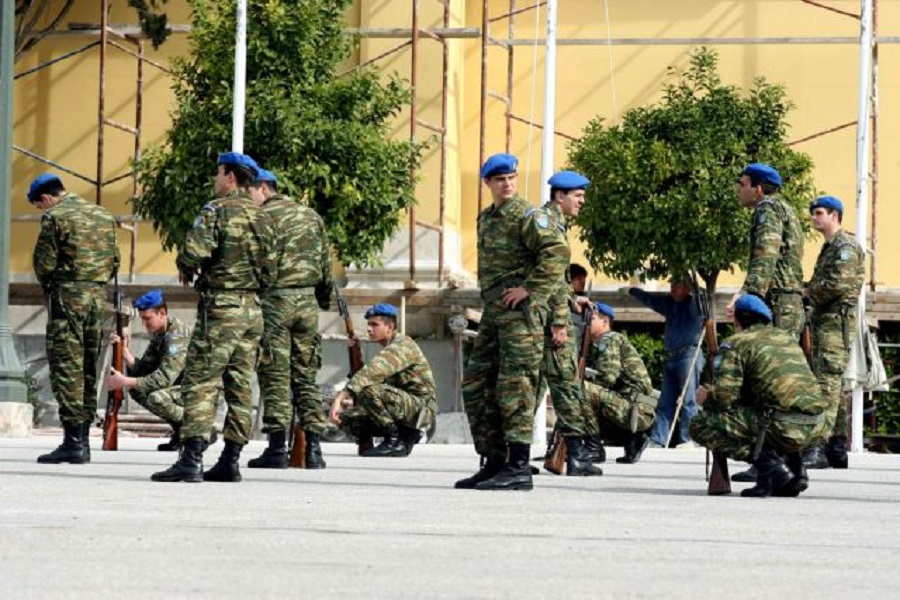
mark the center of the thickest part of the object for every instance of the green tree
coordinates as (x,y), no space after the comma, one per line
(326,137)
(662,197)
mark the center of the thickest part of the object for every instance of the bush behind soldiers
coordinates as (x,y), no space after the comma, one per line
(74,258)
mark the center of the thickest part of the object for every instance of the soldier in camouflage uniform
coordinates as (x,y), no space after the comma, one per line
(621,392)
(74,258)
(520,262)
(764,399)
(394,393)
(292,346)
(560,354)
(775,270)
(833,293)
(152,381)
(231,246)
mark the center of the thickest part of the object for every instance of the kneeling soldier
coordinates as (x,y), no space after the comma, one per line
(152,379)
(621,391)
(765,402)
(394,393)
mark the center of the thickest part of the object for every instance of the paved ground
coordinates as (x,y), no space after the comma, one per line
(394,528)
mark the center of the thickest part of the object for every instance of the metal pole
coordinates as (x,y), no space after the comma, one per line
(863,127)
(510,72)
(482,119)
(101,103)
(240,78)
(12,389)
(873,231)
(413,115)
(442,199)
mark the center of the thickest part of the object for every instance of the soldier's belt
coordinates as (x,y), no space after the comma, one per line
(784,291)
(291,292)
(799,418)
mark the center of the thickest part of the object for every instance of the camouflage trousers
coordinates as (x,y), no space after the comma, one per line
(787,312)
(735,431)
(830,353)
(632,414)
(74,335)
(561,373)
(291,359)
(165,403)
(223,353)
(501,376)
(380,405)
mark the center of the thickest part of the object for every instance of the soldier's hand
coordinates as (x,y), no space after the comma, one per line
(513,296)
(352,342)
(729,310)
(579,303)
(560,335)
(702,393)
(115,381)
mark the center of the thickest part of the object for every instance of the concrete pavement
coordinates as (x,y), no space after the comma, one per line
(380,528)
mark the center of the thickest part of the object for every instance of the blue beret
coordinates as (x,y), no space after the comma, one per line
(499,164)
(762,172)
(753,304)
(569,180)
(39,182)
(265,175)
(605,309)
(381,310)
(241,160)
(152,299)
(827,202)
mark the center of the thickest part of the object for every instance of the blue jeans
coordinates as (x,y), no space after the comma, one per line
(676,371)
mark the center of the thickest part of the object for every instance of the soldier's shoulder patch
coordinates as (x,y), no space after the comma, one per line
(724,349)
(47,217)
(761,217)
(173,349)
(845,254)
(542,221)
(726,346)
(198,221)
(603,343)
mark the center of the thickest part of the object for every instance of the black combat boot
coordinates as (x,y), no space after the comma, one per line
(836,452)
(800,482)
(391,444)
(593,447)
(492,465)
(747,476)
(314,458)
(578,463)
(189,467)
(275,456)
(634,447)
(86,440)
(71,450)
(814,457)
(773,475)
(226,468)
(410,437)
(515,474)
(174,443)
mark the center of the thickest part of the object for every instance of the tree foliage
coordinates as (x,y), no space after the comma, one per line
(326,137)
(662,198)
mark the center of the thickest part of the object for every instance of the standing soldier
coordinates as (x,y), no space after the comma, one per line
(621,393)
(74,258)
(292,346)
(775,271)
(560,354)
(231,247)
(765,403)
(394,392)
(520,262)
(833,293)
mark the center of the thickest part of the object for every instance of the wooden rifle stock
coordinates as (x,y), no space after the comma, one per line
(297,458)
(719,483)
(354,354)
(114,398)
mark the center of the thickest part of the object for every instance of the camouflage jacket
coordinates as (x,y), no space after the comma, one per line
(839,274)
(558,302)
(232,243)
(77,242)
(764,367)
(776,249)
(301,245)
(162,363)
(619,366)
(518,245)
(400,364)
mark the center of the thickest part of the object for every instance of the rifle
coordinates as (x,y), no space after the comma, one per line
(114,399)
(717,478)
(805,335)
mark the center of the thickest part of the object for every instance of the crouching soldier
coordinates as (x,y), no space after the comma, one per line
(394,395)
(152,380)
(765,404)
(621,392)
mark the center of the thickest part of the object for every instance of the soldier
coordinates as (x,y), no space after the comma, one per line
(621,392)
(152,381)
(520,262)
(775,270)
(560,354)
(765,402)
(395,393)
(292,346)
(833,293)
(74,258)
(231,247)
